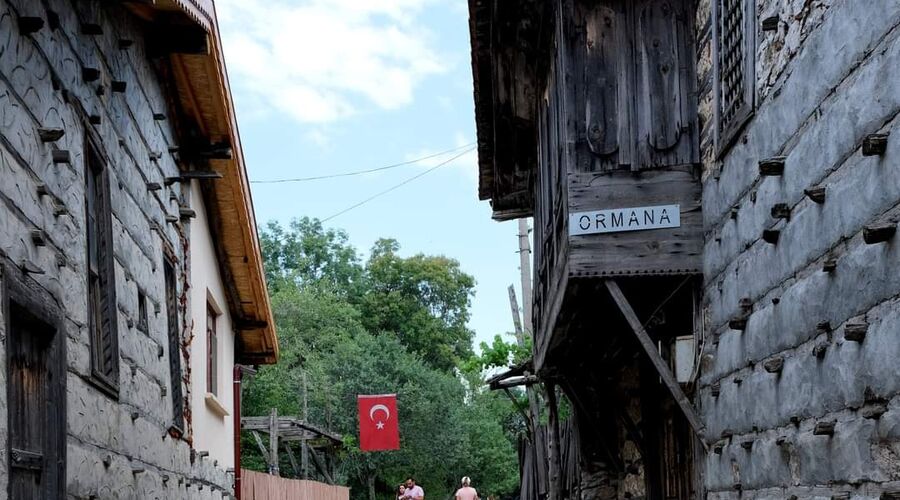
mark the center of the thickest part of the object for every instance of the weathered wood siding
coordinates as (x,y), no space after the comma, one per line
(617,128)
(60,76)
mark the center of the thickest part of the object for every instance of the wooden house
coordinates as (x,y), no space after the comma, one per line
(772,376)
(131,277)
(587,122)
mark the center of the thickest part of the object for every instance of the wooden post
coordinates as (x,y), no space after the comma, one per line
(273,442)
(650,349)
(304,453)
(517,323)
(553,439)
(534,411)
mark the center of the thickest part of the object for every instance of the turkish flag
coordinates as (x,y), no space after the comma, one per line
(378,429)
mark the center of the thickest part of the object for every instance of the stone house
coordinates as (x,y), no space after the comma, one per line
(748,350)
(131,278)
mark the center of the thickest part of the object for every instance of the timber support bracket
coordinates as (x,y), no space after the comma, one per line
(687,408)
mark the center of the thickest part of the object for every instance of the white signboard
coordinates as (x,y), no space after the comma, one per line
(616,220)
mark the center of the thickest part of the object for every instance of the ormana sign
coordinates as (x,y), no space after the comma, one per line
(615,220)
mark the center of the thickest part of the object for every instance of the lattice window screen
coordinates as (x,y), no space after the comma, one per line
(734,51)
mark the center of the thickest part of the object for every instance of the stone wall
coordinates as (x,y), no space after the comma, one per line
(826,78)
(115,448)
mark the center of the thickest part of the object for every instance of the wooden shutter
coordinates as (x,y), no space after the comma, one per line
(638,83)
(36,389)
(101,275)
(734,62)
(174,346)
(606,83)
(666,131)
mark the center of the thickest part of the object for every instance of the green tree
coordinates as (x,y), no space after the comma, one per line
(424,300)
(305,253)
(392,325)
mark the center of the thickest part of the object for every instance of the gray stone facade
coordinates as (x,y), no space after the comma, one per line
(115,447)
(827,77)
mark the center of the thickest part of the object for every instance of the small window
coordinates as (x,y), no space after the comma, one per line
(212,351)
(174,346)
(734,53)
(142,312)
(102,313)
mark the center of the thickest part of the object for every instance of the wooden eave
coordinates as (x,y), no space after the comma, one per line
(204,99)
(509,42)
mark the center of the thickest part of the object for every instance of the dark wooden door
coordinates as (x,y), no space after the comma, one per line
(35,432)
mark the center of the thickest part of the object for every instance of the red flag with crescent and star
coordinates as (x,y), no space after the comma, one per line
(378,429)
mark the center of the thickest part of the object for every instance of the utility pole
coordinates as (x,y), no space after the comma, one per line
(524,328)
(525,271)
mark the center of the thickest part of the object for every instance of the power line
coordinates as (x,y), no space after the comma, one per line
(360,172)
(396,186)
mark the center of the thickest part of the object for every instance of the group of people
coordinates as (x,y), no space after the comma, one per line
(411,491)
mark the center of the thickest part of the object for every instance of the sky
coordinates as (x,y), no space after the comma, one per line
(330,86)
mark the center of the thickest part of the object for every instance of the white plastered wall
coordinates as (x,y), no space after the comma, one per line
(212,431)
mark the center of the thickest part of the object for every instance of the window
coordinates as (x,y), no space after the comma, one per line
(142,312)
(212,351)
(174,346)
(102,313)
(734,53)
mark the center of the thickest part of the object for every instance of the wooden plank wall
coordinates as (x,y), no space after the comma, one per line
(260,486)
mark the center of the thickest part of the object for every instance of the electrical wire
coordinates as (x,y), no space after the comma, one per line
(361,172)
(396,186)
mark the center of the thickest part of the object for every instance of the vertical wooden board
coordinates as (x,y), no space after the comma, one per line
(660,93)
(600,79)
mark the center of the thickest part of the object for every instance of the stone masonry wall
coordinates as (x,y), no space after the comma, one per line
(826,78)
(115,448)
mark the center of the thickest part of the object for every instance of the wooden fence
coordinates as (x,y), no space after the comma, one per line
(259,486)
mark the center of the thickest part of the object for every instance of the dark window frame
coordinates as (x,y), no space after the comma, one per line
(21,293)
(143,323)
(212,349)
(726,134)
(100,271)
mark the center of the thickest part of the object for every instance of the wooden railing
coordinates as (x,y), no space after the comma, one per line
(260,486)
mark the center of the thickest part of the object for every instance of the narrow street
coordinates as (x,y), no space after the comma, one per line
(449,249)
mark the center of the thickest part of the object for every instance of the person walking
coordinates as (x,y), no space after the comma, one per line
(414,491)
(466,492)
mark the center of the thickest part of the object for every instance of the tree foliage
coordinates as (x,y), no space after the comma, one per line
(391,324)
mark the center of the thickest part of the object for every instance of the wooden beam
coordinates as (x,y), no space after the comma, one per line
(170,38)
(317,461)
(650,349)
(528,423)
(527,380)
(262,446)
(290,454)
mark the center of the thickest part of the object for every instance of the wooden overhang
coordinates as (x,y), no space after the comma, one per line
(184,36)
(509,42)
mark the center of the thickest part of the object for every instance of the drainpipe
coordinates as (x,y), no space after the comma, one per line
(239,371)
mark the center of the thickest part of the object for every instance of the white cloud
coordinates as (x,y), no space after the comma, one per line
(323,60)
